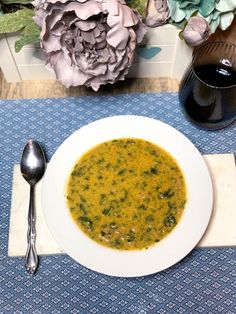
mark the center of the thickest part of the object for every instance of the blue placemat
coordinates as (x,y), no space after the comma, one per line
(203,282)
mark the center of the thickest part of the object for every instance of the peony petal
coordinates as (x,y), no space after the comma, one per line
(118,37)
(139,33)
(85,25)
(104,55)
(126,17)
(157,13)
(50,20)
(112,56)
(161,5)
(97,32)
(84,10)
(87,65)
(67,74)
(62,1)
(99,69)
(57,28)
(121,1)
(53,43)
(101,38)
(111,7)
(79,47)
(118,59)
(69,19)
(88,37)
(100,45)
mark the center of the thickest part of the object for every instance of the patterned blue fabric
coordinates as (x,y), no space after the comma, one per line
(203,282)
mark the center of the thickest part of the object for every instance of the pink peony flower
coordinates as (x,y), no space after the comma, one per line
(196,31)
(88,42)
(157,13)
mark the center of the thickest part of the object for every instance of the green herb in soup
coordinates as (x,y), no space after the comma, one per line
(126,193)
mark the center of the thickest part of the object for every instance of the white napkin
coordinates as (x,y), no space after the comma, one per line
(221,230)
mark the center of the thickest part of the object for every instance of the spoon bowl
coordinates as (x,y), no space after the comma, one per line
(33,166)
(33,162)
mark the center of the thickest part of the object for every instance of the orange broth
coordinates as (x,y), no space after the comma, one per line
(126,193)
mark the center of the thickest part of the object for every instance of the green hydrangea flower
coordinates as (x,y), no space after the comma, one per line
(218,13)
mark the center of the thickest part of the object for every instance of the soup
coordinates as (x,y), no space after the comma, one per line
(126,193)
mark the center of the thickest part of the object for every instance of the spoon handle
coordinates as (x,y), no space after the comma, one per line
(31,254)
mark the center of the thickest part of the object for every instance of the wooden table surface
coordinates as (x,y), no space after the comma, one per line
(52,88)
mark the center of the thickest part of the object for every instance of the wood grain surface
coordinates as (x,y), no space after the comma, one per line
(228,35)
(52,88)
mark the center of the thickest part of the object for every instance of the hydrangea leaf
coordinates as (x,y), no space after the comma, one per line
(139,5)
(16,1)
(20,21)
(29,35)
(13,22)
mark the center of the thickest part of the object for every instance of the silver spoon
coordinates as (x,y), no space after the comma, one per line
(33,165)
